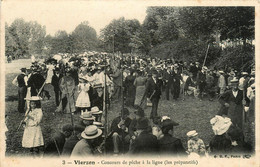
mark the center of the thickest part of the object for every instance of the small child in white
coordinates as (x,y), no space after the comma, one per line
(195,144)
(83,101)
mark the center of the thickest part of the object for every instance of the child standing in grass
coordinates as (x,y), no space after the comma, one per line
(83,101)
(195,144)
(32,136)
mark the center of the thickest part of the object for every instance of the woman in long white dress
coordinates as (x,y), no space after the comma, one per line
(32,136)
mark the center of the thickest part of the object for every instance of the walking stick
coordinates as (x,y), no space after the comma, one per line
(122,111)
(105,108)
(23,120)
(243,112)
(205,56)
(182,79)
(41,88)
(57,147)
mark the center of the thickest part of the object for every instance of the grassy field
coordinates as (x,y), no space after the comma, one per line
(191,114)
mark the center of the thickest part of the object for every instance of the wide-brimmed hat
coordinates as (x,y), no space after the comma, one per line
(95,110)
(234,80)
(98,124)
(87,116)
(142,124)
(168,122)
(97,85)
(244,73)
(221,72)
(192,133)
(220,125)
(205,68)
(232,73)
(83,78)
(91,132)
(33,98)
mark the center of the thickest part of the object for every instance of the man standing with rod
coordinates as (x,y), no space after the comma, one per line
(153,92)
(206,56)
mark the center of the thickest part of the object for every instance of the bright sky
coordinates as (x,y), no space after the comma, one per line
(67,15)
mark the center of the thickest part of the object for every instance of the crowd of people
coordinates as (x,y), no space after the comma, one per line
(89,82)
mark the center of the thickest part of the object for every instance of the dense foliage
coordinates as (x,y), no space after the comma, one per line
(168,32)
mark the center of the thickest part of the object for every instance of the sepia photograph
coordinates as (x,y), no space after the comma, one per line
(98,83)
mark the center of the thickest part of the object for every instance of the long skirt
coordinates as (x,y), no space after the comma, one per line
(83,100)
(32,137)
(140,90)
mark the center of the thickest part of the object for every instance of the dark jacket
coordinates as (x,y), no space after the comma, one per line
(176,79)
(145,143)
(69,145)
(171,146)
(235,110)
(56,143)
(201,78)
(55,81)
(220,144)
(35,82)
(115,122)
(153,90)
(132,127)
(20,80)
(169,77)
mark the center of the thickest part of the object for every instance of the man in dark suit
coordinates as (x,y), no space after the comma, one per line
(233,100)
(119,129)
(153,92)
(201,81)
(169,144)
(55,83)
(22,90)
(176,82)
(55,145)
(168,78)
(145,142)
(36,81)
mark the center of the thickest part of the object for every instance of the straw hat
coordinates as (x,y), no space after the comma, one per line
(205,68)
(98,124)
(97,85)
(91,132)
(192,133)
(33,98)
(95,110)
(234,80)
(87,116)
(244,73)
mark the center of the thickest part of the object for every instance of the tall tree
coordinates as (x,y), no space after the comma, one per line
(117,35)
(10,44)
(36,40)
(84,38)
